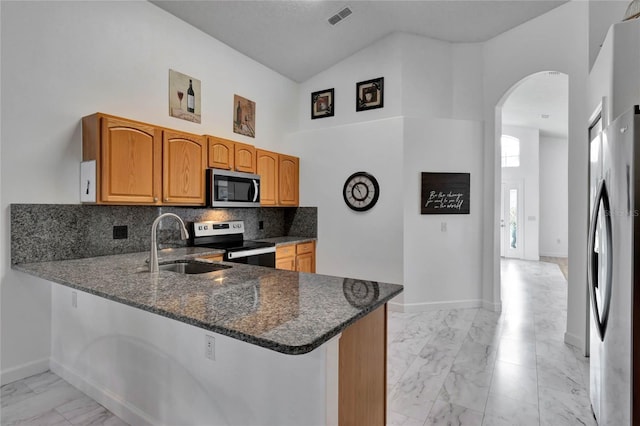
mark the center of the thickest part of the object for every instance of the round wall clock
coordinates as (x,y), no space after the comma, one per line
(361,191)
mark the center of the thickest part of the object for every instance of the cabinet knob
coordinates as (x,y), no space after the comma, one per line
(166,200)
(155,199)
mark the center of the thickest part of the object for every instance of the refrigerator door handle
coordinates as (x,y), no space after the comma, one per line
(601,317)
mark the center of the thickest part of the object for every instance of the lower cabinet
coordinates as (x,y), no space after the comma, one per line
(362,394)
(297,257)
(213,257)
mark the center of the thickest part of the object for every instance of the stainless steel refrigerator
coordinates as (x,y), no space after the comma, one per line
(614,271)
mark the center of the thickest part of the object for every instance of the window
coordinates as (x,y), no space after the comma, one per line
(510,151)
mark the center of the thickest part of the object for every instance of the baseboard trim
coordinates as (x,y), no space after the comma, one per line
(573,340)
(112,402)
(492,306)
(434,306)
(22,371)
(554,255)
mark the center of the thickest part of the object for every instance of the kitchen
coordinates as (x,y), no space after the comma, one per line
(52,78)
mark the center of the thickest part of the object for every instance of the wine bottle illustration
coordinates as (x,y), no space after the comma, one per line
(239,115)
(191,99)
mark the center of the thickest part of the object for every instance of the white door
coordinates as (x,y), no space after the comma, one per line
(511,223)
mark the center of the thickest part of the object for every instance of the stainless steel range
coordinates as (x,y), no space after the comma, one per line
(229,236)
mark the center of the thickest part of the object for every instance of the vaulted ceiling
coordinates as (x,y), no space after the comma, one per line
(294,37)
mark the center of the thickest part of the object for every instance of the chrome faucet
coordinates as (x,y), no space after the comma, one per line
(184,234)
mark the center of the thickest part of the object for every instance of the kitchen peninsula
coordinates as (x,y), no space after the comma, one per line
(244,345)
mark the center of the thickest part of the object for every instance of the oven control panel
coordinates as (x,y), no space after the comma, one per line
(206,229)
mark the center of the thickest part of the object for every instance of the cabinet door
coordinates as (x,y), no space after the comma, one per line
(221,153)
(267,168)
(130,162)
(306,257)
(245,157)
(286,257)
(286,263)
(288,180)
(306,263)
(184,162)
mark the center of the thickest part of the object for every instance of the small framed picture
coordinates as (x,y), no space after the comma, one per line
(322,104)
(244,116)
(370,94)
(184,96)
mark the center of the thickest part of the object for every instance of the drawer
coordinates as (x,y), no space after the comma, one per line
(212,257)
(303,248)
(285,251)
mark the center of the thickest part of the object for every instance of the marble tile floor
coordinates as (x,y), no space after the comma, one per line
(47,400)
(476,367)
(446,367)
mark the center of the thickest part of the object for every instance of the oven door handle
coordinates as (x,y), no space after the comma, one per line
(247,253)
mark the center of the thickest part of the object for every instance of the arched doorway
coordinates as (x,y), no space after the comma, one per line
(531,173)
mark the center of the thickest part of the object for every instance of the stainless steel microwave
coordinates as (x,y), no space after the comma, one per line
(232,189)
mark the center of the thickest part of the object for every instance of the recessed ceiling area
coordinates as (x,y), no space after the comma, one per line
(541,101)
(295,38)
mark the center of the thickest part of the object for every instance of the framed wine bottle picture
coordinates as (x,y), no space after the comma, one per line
(184,97)
(244,116)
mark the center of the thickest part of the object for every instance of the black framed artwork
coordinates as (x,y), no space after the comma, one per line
(445,193)
(322,104)
(370,94)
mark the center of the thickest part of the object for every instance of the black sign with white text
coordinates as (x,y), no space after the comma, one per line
(445,193)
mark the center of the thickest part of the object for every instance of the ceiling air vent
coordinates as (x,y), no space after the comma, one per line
(342,14)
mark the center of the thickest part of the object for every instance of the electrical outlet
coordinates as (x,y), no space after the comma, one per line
(74,299)
(261,224)
(120,232)
(210,348)
(443,226)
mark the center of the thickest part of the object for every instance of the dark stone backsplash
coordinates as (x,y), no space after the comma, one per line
(43,232)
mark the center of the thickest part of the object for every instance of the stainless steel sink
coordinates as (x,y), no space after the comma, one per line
(192,267)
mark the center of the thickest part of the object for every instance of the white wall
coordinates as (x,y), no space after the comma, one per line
(602,14)
(556,41)
(468,75)
(442,269)
(528,173)
(381,59)
(64,60)
(554,193)
(424,79)
(151,370)
(427,77)
(365,245)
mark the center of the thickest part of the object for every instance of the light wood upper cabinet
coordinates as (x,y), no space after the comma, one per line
(221,153)
(245,157)
(279,175)
(288,180)
(184,162)
(128,159)
(267,168)
(140,163)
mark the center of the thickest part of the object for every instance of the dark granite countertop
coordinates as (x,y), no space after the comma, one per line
(288,312)
(283,241)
